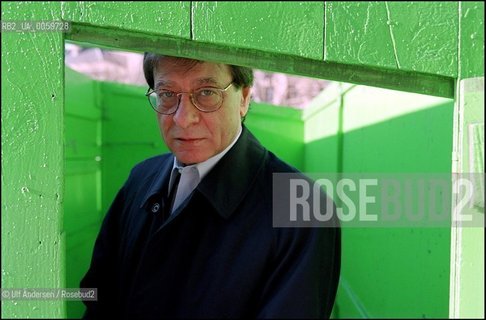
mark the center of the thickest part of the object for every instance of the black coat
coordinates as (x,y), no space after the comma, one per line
(218,255)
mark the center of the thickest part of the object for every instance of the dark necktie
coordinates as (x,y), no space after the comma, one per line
(172,194)
(161,216)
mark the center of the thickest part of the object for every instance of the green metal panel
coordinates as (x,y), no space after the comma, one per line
(82,200)
(81,206)
(81,138)
(396,272)
(32,161)
(393,272)
(158,17)
(79,249)
(413,36)
(284,27)
(130,135)
(322,137)
(472,39)
(128,108)
(81,96)
(410,132)
(280,130)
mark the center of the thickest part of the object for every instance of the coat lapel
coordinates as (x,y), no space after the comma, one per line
(229,181)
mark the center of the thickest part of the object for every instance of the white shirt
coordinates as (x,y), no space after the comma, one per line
(193,174)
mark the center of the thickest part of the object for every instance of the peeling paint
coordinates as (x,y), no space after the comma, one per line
(367,19)
(471,39)
(390,25)
(299,30)
(163,18)
(191,21)
(418,36)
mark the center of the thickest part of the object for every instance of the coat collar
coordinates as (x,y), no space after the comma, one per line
(159,182)
(228,182)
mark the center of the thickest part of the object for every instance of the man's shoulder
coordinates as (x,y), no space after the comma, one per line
(150,166)
(276,164)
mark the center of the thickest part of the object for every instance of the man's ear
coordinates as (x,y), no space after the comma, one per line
(245,100)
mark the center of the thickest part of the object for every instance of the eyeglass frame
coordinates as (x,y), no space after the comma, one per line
(191,95)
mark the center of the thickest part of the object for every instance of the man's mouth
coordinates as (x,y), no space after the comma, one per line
(189,140)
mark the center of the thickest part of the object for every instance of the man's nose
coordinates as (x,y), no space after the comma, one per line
(187,114)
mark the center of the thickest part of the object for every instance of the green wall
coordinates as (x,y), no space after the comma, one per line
(406,46)
(130,135)
(280,130)
(386,272)
(83,185)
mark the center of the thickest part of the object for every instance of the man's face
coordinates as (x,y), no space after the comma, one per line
(192,135)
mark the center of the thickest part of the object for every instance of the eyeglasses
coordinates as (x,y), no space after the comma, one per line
(204,99)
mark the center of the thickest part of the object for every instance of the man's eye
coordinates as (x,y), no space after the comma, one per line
(166,94)
(206,92)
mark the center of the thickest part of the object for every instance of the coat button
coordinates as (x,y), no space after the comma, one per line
(155,207)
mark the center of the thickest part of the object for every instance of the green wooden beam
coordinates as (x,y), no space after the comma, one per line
(423,83)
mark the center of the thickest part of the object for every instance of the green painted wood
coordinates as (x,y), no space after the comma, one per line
(158,17)
(294,28)
(32,161)
(467,247)
(411,36)
(391,79)
(472,39)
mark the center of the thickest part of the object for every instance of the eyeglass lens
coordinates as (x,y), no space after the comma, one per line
(205,99)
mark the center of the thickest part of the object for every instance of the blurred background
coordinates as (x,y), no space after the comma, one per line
(126,67)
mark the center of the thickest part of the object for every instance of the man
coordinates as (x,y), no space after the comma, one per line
(202,244)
